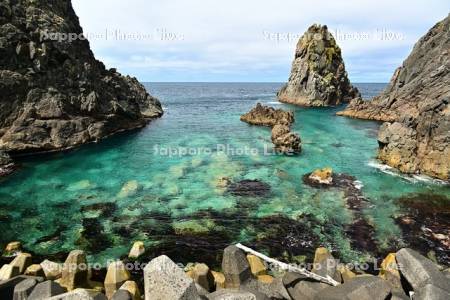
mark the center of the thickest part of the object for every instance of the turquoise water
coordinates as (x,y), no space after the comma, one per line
(102,197)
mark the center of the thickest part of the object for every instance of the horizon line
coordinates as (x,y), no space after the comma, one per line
(241,82)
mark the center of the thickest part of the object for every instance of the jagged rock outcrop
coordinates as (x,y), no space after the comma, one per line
(284,141)
(417,102)
(318,76)
(53,93)
(7,165)
(268,116)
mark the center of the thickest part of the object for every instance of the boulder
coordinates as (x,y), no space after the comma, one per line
(52,270)
(262,290)
(446,273)
(24,288)
(41,112)
(137,250)
(235,267)
(306,290)
(116,276)
(268,116)
(390,271)
(420,271)
(203,276)
(431,292)
(9,271)
(346,273)
(325,264)
(257,266)
(22,261)
(416,99)
(286,141)
(318,76)
(265,278)
(122,295)
(202,292)
(163,279)
(7,286)
(12,248)
(132,288)
(75,271)
(226,294)
(80,294)
(359,288)
(219,280)
(46,290)
(35,270)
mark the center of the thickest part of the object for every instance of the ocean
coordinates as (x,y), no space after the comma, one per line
(162,184)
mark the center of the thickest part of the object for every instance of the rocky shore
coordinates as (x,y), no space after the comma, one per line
(318,76)
(416,106)
(241,276)
(7,165)
(283,139)
(54,94)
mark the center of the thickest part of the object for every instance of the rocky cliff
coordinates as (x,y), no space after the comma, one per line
(416,102)
(53,93)
(318,76)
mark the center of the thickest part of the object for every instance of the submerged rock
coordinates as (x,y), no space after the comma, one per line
(417,102)
(249,188)
(318,76)
(268,116)
(322,176)
(54,94)
(425,223)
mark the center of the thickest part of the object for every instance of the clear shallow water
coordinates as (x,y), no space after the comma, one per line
(102,197)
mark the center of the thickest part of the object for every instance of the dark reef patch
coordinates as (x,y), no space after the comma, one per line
(249,188)
(425,224)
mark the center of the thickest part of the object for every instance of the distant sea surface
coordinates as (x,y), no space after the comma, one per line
(142,185)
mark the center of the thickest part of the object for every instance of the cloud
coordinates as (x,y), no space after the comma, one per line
(199,40)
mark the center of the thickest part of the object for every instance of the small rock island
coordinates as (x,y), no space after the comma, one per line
(318,76)
(283,139)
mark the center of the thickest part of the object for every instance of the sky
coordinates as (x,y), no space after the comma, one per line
(250,40)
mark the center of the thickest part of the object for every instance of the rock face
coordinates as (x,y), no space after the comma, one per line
(318,76)
(53,93)
(6,164)
(268,116)
(417,102)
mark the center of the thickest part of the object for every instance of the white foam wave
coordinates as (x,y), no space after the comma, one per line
(358,184)
(415,178)
(274,103)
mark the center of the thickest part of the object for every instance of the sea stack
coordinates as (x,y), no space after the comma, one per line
(416,105)
(318,76)
(54,94)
